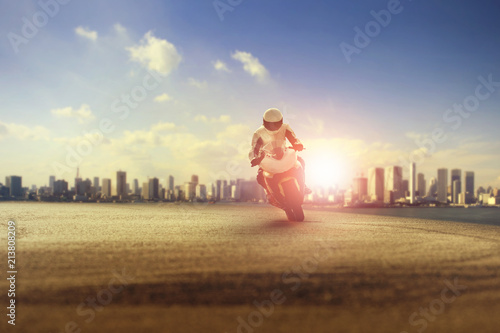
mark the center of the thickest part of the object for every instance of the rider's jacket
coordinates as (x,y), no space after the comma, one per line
(263,137)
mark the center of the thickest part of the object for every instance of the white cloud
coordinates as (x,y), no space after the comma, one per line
(23,132)
(222,119)
(86,33)
(119,28)
(197,83)
(162,98)
(221,66)
(83,114)
(252,65)
(155,54)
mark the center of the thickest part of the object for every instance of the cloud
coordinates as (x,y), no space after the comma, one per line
(155,54)
(83,114)
(162,98)
(204,119)
(221,66)
(119,28)
(197,83)
(23,132)
(162,127)
(86,33)
(252,65)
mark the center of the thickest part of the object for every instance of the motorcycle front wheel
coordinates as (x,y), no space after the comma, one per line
(290,215)
(298,213)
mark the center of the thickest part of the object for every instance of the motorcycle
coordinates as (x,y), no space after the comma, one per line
(284,179)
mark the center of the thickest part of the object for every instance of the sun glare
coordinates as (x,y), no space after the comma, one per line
(323,170)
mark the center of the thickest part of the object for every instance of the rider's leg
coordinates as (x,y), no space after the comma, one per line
(307,190)
(262,182)
(260,179)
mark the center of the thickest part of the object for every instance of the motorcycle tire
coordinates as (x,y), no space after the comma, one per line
(298,213)
(290,215)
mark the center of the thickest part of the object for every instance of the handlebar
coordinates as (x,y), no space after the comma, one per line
(262,154)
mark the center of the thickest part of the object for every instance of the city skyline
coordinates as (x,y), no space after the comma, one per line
(97,88)
(384,176)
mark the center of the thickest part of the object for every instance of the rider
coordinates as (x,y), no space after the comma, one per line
(273,130)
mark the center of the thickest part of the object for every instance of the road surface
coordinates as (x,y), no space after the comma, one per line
(244,268)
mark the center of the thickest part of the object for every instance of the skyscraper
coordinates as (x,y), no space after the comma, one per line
(421,184)
(96,184)
(154,188)
(360,187)
(106,187)
(146,194)
(52,180)
(376,183)
(171,183)
(413,187)
(15,185)
(432,187)
(60,187)
(393,179)
(456,190)
(469,187)
(218,189)
(405,187)
(135,187)
(456,174)
(121,181)
(442,185)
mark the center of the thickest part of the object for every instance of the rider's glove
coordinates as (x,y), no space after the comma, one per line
(298,146)
(255,161)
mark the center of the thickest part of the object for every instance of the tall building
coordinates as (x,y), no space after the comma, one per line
(442,185)
(86,187)
(360,187)
(189,191)
(376,184)
(154,188)
(456,190)
(60,187)
(393,179)
(413,187)
(135,187)
(52,180)
(421,184)
(146,194)
(96,184)
(456,174)
(15,185)
(121,183)
(201,192)
(194,179)
(469,187)
(106,187)
(218,185)
(405,186)
(432,187)
(171,183)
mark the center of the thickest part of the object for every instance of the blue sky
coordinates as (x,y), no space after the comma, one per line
(219,76)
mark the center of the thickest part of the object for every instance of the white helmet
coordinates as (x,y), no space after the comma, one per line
(273,119)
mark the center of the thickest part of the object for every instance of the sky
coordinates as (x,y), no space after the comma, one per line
(159,88)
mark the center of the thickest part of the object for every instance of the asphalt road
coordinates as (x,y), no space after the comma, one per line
(244,268)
